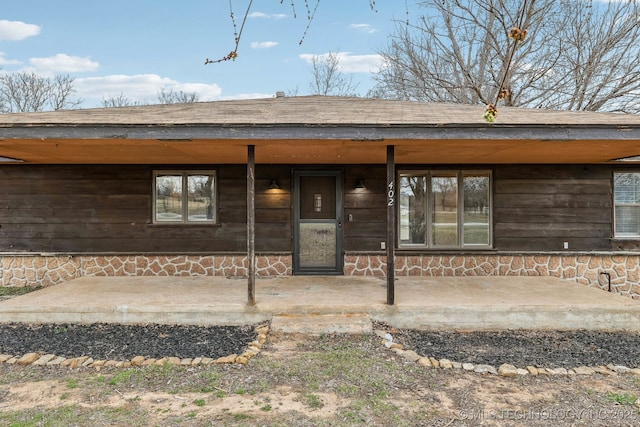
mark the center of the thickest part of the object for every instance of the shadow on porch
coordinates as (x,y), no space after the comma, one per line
(463,303)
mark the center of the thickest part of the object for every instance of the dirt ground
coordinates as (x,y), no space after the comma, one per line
(312,381)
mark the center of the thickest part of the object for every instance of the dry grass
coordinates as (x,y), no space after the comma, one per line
(310,381)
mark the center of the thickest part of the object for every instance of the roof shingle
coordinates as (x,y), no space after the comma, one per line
(315,110)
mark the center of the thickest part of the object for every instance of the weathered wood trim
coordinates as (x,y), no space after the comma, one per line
(251,224)
(391,224)
(362,133)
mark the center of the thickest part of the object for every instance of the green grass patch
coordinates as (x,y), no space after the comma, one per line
(123,376)
(313,401)
(74,415)
(241,417)
(14,291)
(626,399)
(73,383)
(348,371)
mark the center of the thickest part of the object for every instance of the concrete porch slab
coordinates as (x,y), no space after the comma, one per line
(315,324)
(462,303)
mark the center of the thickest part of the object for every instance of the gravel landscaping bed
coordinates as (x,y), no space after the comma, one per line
(553,349)
(123,342)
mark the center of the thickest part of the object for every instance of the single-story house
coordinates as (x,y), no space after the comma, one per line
(320,185)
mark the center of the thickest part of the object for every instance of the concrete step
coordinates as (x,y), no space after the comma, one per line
(316,324)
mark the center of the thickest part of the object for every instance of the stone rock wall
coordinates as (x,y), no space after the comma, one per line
(19,270)
(622,270)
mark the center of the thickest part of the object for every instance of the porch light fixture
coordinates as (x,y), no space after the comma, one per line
(274,185)
(360,185)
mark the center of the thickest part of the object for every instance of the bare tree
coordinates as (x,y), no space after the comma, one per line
(577,54)
(29,92)
(328,79)
(169,96)
(309,8)
(119,101)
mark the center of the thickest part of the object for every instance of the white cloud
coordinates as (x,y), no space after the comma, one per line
(349,63)
(4,61)
(62,63)
(263,45)
(365,28)
(142,88)
(267,15)
(17,30)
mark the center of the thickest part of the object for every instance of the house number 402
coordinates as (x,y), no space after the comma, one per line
(391,194)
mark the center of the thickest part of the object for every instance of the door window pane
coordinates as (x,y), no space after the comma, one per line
(317,197)
(444,202)
(476,209)
(413,209)
(317,245)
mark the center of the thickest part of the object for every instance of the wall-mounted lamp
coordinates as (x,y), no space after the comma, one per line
(360,184)
(274,185)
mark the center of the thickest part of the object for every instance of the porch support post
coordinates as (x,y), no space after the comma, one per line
(251,223)
(391,224)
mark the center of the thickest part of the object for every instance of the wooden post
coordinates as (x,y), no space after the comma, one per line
(391,224)
(251,223)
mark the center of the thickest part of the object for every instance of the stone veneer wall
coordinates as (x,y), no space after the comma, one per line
(624,269)
(25,270)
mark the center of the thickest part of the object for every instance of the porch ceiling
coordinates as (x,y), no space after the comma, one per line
(332,151)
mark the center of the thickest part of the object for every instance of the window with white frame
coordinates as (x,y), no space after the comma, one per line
(184,197)
(445,209)
(626,188)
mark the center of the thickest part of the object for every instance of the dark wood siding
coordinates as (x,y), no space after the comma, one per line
(538,208)
(274,232)
(93,209)
(367,208)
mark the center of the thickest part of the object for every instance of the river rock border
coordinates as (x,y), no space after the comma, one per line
(37,359)
(504,370)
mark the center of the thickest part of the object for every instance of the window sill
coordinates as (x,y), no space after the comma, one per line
(457,251)
(184,225)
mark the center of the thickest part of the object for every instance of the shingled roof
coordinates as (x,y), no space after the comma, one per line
(314,110)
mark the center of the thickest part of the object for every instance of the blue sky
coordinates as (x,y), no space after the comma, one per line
(136,48)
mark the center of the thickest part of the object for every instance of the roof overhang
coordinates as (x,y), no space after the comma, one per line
(322,145)
(316,130)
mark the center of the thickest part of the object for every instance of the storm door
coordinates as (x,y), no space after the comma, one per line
(318,222)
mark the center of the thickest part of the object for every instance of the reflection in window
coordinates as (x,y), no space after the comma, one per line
(627,204)
(200,206)
(169,198)
(476,209)
(184,197)
(444,202)
(444,209)
(413,190)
